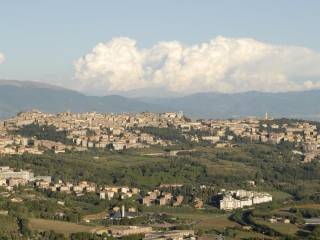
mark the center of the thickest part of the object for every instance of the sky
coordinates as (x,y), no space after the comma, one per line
(181,46)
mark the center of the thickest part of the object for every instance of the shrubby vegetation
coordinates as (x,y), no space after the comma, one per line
(43,132)
(306,212)
(169,133)
(272,167)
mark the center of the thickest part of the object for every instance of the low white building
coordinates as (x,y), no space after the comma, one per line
(242,198)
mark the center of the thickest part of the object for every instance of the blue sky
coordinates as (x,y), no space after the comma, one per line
(41,40)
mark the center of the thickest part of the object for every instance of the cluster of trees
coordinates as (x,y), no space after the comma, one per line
(169,133)
(44,205)
(315,233)
(44,132)
(13,227)
(76,167)
(8,228)
(273,167)
(249,219)
(306,212)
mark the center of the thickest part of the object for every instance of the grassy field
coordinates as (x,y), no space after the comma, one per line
(280,196)
(225,167)
(207,221)
(97,216)
(59,226)
(8,224)
(283,228)
(309,206)
(218,222)
(246,234)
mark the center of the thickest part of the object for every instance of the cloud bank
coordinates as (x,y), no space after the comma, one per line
(222,64)
(2,58)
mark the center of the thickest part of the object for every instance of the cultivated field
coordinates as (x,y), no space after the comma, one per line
(286,229)
(59,226)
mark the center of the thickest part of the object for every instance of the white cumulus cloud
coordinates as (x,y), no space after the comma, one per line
(222,64)
(2,58)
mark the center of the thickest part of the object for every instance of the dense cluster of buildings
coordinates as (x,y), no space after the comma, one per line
(242,198)
(123,131)
(123,192)
(161,198)
(86,130)
(303,135)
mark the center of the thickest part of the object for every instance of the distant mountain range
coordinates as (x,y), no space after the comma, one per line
(16,96)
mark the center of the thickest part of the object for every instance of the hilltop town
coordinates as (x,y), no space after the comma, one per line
(82,131)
